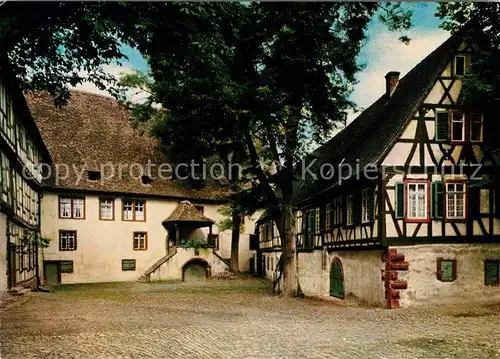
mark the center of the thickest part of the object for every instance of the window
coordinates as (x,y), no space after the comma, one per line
(128,264)
(140,241)
(317,221)
(349,210)
(417,208)
(491,272)
(272,263)
(94,175)
(367,205)
(457,127)
(146,180)
(328,216)
(106,209)
(200,209)
(72,207)
(67,240)
(337,211)
(476,127)
(446,270)
(133,210)
(459,65)
(455,200)
(66,266)
(299,222)
(267,263)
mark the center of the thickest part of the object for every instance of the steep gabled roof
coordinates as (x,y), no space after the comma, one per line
(367,138)
(186,213)
(94,132)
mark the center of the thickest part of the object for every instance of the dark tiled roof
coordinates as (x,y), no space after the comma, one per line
(186,212)
(374,130)
(94,130)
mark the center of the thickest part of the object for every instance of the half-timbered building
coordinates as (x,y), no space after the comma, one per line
(22,153)
(401,207)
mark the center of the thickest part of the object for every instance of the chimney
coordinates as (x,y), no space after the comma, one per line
(391,82)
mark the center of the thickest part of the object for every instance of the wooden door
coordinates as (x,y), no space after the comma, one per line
(337,280)
(52,273)
(12,265)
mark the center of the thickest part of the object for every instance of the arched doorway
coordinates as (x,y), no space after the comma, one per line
(337,279)
(195,270)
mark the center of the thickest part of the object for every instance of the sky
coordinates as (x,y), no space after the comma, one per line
(381,53)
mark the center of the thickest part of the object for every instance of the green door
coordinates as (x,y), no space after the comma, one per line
(51,271)
(337,280)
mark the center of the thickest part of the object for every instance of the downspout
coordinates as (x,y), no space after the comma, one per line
(37,238)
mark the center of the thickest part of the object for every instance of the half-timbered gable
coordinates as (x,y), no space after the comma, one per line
(402,206)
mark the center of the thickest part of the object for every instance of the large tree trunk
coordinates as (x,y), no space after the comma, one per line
(235,243)
(289,250)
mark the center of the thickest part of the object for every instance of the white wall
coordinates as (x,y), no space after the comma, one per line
(362,274)
(172,269)
(423,285)
(101,245)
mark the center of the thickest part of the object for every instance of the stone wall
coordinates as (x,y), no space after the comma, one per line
(424,286)
(362,274)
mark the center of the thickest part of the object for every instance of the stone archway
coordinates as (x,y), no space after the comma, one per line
(196,270)
(337,279)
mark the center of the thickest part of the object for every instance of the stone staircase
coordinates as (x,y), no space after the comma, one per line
(146,276)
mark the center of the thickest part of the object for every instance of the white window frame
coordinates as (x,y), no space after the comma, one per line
(349,221)
(106,206)
(133,208)
(365,213)
(452,194)
(410,198)
(140,242)
(462,121)
(481,121)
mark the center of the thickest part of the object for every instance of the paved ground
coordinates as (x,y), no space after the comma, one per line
(234,319)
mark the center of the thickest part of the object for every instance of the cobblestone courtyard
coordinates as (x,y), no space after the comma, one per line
(233,319)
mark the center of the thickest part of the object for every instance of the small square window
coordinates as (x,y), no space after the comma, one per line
(128,264)
(446,270)
(94,175)
(491,271)
(66,266)
(67,240)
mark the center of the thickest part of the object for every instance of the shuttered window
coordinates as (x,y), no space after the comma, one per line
(446,270)
(437,204)
(442,126)
(399,206)
(66,266)
(128,264)
(491,274)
